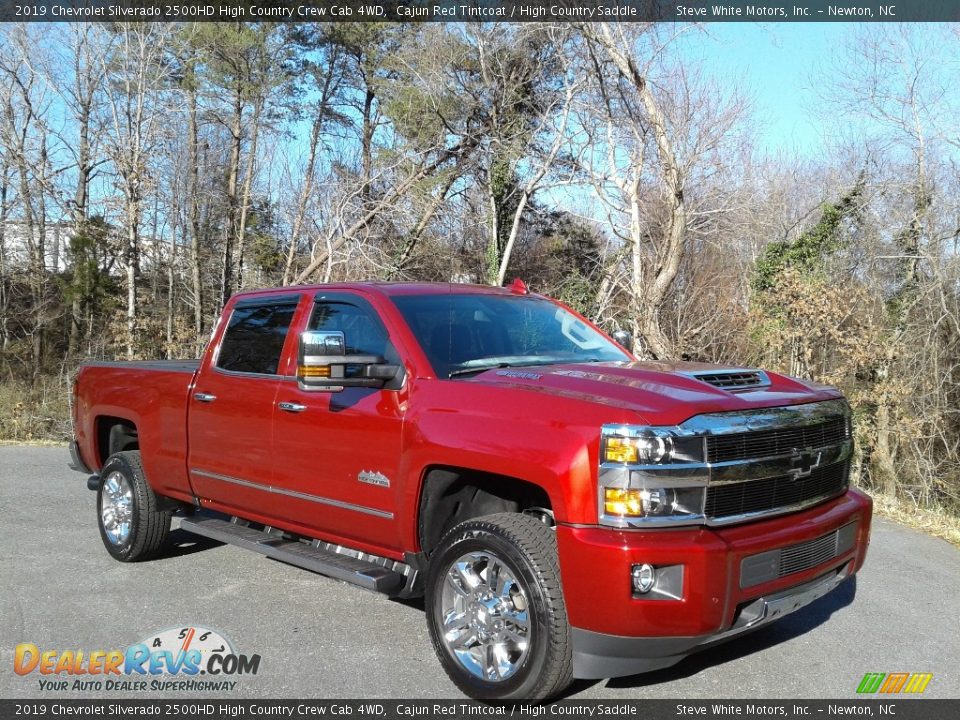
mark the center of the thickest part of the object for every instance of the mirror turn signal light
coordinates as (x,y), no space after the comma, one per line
(314,371)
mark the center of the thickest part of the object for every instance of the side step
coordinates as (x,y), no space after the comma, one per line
(310,557)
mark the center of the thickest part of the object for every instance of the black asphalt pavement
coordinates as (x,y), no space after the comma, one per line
(319,638)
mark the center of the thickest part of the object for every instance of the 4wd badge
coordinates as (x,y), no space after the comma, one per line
(373,478)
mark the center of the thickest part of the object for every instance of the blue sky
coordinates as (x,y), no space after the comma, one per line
(776,64)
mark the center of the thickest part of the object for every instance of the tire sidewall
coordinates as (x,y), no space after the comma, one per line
(118,463)
(525,680)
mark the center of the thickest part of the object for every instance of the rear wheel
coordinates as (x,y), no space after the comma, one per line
(495,609)
(132,525)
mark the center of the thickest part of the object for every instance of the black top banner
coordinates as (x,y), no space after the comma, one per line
(478,11)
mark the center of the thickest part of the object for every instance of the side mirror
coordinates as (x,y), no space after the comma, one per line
(624,338)
(324,365)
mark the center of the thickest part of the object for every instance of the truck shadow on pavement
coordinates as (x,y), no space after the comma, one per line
(180,542)
(792,626)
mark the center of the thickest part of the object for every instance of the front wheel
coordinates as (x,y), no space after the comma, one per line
(132,525)
(495,609)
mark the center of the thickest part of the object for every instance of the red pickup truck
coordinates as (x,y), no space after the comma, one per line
(565,510)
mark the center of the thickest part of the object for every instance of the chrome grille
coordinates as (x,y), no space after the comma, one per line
(808,554)
(752,496)
(772,564)
(752,378)
(778,441)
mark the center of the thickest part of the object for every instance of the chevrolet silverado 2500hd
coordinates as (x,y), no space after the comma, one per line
(566,510)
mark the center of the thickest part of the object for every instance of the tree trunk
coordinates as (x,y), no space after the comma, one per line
(651,293)
(493,248)
(131,260)
(305,192)
(367,143)
(882,465)
(40,331)
(4,297)
(171,307)
(247,184)
(193,184)
(26,200)
(232,227)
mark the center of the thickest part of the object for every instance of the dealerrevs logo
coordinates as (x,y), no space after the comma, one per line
(168,660)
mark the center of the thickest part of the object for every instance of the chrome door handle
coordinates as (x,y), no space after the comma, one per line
(204,397)
(291,407)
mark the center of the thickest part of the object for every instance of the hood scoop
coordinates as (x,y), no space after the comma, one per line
(733,380)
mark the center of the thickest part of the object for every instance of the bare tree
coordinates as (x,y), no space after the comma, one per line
(895,351)
(71,66)
(24,136)
(648,130)
(137,79)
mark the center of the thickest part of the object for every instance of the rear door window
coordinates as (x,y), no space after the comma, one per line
(253,341)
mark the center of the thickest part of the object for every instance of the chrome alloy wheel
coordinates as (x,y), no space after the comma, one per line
(485,619)
(116,508)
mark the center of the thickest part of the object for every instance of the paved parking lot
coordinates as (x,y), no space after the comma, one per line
(320,638)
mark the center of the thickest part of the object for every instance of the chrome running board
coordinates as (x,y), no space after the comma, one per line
(316,556)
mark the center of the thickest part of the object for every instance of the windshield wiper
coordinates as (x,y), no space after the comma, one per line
(526,363)
(481,368)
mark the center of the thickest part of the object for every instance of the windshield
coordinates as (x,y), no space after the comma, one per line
(465,334)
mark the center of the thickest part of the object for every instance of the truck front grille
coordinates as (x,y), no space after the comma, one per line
(750,496)
(807,555)
(773,564)
(777,441)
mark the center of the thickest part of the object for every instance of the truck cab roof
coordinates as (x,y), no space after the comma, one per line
(394,288)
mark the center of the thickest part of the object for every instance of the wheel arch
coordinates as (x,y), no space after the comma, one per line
(451,494)
(114,434)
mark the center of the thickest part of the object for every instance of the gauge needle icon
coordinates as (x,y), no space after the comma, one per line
(187,640)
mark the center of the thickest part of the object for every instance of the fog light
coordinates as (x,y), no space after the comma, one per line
(643,576)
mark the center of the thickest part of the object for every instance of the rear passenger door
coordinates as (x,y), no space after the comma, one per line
(232,405)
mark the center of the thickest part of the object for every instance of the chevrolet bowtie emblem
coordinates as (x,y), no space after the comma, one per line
(804,463)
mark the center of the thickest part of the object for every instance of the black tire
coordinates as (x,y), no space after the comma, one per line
(528,548)
(148,524)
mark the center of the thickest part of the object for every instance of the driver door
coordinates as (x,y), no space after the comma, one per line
(338,453)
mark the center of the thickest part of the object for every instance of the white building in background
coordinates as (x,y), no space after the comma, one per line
(16,249)
(56,252)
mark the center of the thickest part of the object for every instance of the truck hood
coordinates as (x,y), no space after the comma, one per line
(667,393)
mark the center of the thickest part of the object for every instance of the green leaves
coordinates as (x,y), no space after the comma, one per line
(807,253)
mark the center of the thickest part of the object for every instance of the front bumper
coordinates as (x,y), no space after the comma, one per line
(616,633)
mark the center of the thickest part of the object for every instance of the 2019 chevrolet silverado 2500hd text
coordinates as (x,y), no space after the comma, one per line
(566,510)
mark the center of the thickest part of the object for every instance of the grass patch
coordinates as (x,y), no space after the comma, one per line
(36,442)
(38,413)
(936,522)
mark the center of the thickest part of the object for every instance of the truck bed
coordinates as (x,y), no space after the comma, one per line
(151,394)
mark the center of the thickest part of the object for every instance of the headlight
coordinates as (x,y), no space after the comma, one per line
(651,476)
(632,445)
(647,501)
